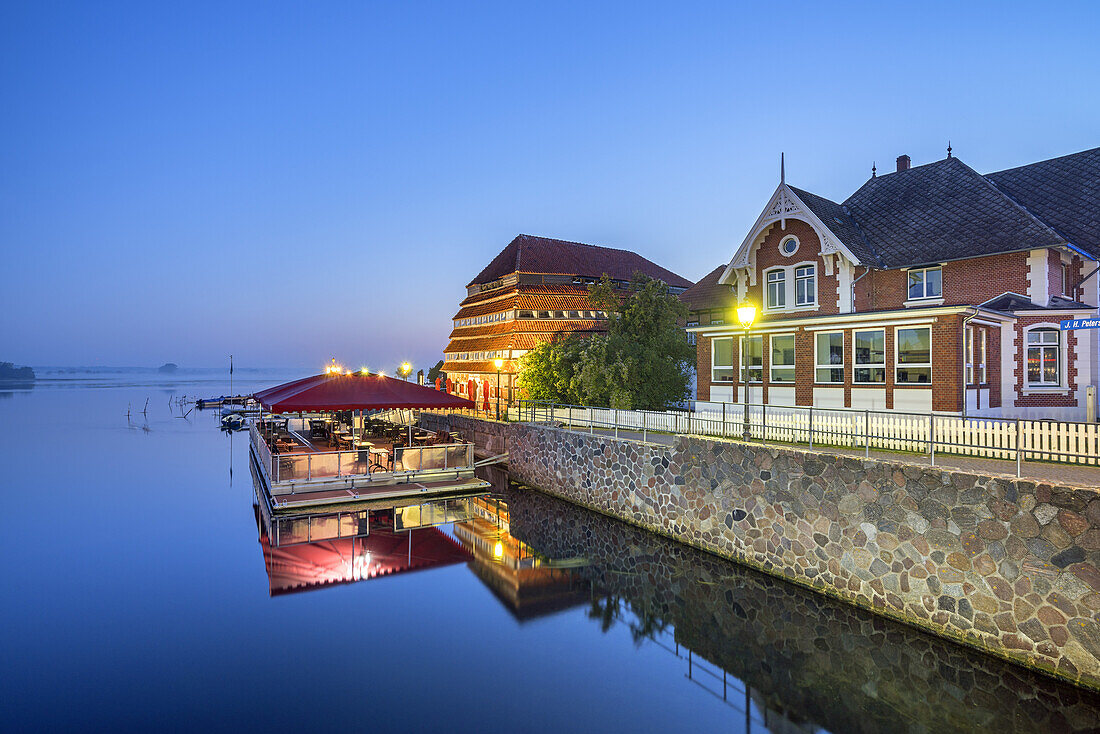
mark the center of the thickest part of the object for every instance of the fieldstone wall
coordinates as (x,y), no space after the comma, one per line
(812,662)
(1009,566)
(490,438)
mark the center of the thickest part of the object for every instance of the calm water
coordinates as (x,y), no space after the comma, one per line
(143,593)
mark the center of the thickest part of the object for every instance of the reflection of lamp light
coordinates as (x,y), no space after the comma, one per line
(364,371)
(498,550)
(746,314)
(405,369)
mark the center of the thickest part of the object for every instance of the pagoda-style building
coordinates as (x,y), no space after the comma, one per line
(535,289)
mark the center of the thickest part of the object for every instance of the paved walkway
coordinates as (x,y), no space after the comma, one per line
(1067,474)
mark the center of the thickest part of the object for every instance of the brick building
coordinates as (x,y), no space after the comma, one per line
(535,289)
(933,288)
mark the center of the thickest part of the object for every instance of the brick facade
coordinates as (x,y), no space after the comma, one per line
(965,282)
(768,256)
(1066,398)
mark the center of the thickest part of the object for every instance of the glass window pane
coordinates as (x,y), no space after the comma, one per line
(783,350)
(723,352)
(916,283)
(872,375)
(782,374)
(914,346)
(932,282)
(870,347)
(1033,372)
(916,375)
(830,374)
(1050,365)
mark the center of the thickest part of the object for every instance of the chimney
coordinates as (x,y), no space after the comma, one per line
(903,162)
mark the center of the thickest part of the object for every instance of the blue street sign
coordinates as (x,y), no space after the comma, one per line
(1080,324)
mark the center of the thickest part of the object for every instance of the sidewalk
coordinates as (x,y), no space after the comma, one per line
(1063,474)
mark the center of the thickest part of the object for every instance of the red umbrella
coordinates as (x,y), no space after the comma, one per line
(437,383)
(471,390)
(353,392)
(450,385)
(485,400)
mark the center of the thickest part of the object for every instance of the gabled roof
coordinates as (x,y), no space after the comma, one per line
(530,254)
(840,223)
(942,211)
(1063,192)
(708,293)
(1010,302)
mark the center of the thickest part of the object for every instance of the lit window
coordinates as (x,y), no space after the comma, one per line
(805,285)
(782,367)
(925,283)
(870,356)
(830,357)
(1043,357)
(914,356)
(777,289)
(754,355)
(721,360)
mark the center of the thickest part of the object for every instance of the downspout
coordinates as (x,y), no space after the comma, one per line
(866,270)
(962,352)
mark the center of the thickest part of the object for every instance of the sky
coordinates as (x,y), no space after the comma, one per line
(292,182)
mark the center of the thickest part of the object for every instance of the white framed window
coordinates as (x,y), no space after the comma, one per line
(721,360)
(981,356)
(925,283)
(913,362)
(782,364)
(1044,357)
(970,356)
(869,352)
(830,357)
(805,285)
(789,245)
(754,355)
(777,288)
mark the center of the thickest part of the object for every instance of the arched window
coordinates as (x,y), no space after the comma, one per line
(1044,357)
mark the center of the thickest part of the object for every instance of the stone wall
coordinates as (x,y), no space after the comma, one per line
(814,662)
(490,438)
(1009,566)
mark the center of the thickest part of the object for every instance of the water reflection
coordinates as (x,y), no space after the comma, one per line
(781,658)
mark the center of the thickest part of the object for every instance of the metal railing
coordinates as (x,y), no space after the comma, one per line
(307,466)
(927,433)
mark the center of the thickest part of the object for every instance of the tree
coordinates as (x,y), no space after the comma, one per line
(547,371)
(642,362)
(437,371)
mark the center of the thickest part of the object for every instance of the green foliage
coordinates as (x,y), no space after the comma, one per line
(548,370)
(643,362)
(436,371)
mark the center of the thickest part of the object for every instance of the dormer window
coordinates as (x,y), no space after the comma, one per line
(777,289)
(925,283)
(789,246)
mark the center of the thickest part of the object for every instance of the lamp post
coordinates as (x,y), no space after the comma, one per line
(405,369)
(499,363)
(746,314)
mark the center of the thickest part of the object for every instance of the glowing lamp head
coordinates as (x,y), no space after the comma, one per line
(499,363)
(746,314)
(406,368)
(498,550)
(364,371)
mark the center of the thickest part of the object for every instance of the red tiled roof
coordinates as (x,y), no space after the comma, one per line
(530,254)
(708,293)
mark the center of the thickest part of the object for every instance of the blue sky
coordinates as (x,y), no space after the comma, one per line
(290,182)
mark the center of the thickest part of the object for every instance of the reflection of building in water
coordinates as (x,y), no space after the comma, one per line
(340,560)
(529,586)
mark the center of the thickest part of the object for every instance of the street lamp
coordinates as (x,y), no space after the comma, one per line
(499,363)
(405,369)
(746,314)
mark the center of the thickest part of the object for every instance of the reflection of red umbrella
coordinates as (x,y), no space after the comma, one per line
(450,385)
(437,383)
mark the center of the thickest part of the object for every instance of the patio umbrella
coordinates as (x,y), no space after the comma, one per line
(471,390)
(485,400)
(332,392)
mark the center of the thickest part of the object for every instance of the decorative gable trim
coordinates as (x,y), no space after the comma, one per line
(783,205)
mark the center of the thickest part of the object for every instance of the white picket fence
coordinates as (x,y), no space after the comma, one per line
(929,433)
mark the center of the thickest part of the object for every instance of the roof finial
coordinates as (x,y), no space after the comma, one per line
(782,168)
(873,170)
(948,148)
